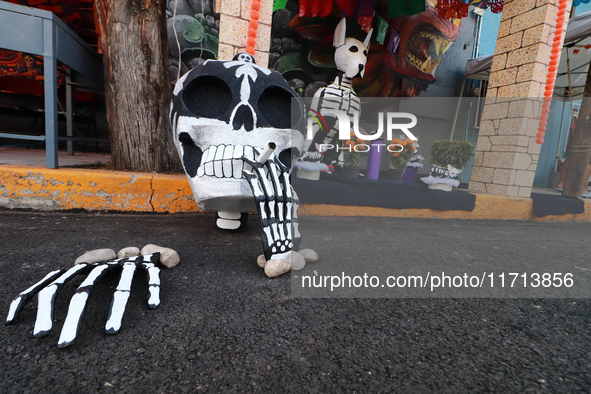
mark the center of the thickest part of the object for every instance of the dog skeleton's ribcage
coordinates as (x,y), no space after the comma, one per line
(439,172)
(339,95)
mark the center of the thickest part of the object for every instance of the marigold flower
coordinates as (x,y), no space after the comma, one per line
(350,143)
(395,154)
(352,134)
(408,141)
(396,141)
(359,141)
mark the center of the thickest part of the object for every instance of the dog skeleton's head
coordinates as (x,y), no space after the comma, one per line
(351,54)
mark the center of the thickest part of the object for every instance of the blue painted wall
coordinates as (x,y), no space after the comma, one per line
(490,30)
(547,160)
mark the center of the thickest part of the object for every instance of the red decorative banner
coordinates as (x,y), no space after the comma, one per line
(496,6)
(452,9)
(316,7)
(365,23)
(348,6)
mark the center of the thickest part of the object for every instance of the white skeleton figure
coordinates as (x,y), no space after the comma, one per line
(350,58)
(223,114)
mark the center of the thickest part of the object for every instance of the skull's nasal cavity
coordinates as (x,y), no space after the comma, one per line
(243,117)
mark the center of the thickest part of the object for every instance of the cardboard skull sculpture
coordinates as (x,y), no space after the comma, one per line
(222,111)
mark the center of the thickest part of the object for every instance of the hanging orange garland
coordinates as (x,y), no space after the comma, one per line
(253,25)
(553,67)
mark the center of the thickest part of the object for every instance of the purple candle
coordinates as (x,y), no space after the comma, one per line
(375,157)
(410,175)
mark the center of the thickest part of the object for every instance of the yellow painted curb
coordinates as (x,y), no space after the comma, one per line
(46,189)
(487,207)
(42,188)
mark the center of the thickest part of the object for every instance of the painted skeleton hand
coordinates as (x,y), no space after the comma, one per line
(277,203)
(48,287)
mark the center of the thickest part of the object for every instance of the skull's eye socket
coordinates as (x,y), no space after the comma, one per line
(275,106)
(353,49)
(207,97)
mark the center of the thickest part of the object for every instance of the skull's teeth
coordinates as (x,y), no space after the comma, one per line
(209,168)
(249,153)
(225,161)
(237,164)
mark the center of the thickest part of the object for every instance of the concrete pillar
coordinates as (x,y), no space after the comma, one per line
(506,152)
(234,18)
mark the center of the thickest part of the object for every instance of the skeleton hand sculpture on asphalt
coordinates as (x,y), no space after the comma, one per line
(276,203)
(223,114)
(48,287)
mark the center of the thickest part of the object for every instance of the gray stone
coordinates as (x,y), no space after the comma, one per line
(297,261)
(274,268)
(309,255)
(169,258)
(96,256)
(262,261)
(130,251)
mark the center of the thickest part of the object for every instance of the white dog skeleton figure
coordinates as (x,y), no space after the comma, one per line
(350,58)
(441,172)
(223,114)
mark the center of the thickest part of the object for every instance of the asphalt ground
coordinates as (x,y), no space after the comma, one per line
(223,326)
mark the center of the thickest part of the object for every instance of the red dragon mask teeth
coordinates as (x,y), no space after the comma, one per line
(423,39)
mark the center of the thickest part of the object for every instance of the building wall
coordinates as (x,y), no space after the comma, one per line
(490,29)
(547,158)
(234,19)
(507,153)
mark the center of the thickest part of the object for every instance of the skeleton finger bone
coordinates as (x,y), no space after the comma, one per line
(46,299)
(78,304)
(259,170)
(153,283)
(147,262)
(17,305)
(120,298)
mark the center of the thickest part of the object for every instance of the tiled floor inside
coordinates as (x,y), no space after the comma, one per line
(16,155)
